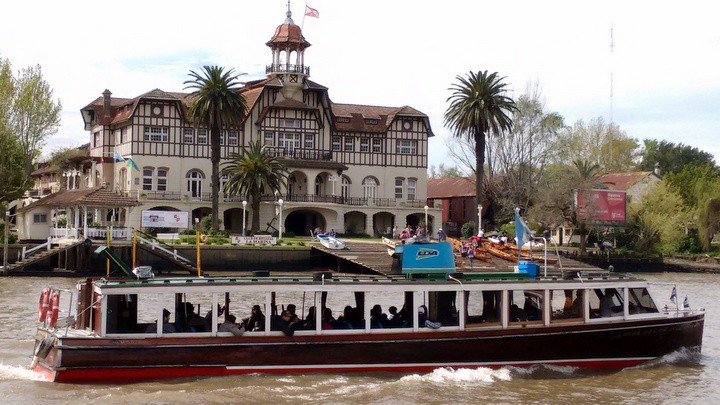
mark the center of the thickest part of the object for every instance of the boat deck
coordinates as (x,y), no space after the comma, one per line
(372,258)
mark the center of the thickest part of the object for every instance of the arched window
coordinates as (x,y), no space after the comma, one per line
(318,185)
(147,181)
(370,185)
(194,183)
(399,182)
(345,187)
(412,189)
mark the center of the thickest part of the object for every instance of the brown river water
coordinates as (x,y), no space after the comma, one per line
(677,378)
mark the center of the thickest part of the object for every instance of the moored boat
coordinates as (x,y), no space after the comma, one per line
(135,330)
(330,242)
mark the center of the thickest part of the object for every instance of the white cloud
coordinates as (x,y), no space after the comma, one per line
(393,53)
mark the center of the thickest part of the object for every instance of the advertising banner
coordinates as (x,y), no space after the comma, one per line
(165,219)
(603,206)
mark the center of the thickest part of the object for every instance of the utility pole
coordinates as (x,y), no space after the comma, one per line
(6,234)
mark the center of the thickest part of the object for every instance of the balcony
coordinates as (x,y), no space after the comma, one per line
(287,68)
(301,154)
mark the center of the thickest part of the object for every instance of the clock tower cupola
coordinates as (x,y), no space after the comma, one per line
(288,53)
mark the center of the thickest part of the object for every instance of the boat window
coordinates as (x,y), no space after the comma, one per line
(128,314)
(301,306)
(566,305)
(525,306)
(347,309)
(247,307)
(605,303)
(640,301)
(442,309)
(482,308)
(192,312)
(390,309)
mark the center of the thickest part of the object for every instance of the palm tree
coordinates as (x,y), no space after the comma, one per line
(252,173)
(478,107)
(216,104)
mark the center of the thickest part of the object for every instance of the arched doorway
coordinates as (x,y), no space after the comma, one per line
(300,222)
(415,219)
(355,222)
(383,223)
(232,220)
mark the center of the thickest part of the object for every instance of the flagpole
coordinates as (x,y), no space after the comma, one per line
(302,25)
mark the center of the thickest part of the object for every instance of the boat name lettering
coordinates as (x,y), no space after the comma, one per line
(425,253)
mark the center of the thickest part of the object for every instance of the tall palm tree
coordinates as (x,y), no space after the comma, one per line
(254,172)
(479,107)
(216,104)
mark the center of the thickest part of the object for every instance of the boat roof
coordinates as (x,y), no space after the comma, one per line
(289,280)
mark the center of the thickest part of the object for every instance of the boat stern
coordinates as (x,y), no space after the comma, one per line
(45,354)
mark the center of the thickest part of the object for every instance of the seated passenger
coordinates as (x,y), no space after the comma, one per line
(309,322)
(377,318)
(230,326)
(167,327)
(293,316)
(568,301)
(422,315)
(284,323)
(517,314)
(343,321)
(193,321)
(327,319)
(393,320)
(607,304)
(256,321)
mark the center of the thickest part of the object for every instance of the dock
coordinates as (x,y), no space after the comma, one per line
(372,258)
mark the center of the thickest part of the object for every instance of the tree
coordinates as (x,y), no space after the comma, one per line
(63,157)
(671,157)
(13,181)
(442,172)
(595,141)
(660,220)
(479,108)
(252,173)
(693,182)
(216,104)
(35,116)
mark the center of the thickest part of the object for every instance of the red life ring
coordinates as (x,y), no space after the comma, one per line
(52,321)
(43,305)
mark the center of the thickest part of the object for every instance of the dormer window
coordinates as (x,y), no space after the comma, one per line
(342,120)
(289,123)
(371,121)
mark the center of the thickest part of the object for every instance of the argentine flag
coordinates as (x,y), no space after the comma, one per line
(522,231)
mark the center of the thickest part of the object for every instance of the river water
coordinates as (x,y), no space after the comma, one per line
(676,378)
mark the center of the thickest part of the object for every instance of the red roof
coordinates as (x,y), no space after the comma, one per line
(451,187)
(622,181)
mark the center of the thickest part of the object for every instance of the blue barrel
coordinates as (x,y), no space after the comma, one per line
(531,269)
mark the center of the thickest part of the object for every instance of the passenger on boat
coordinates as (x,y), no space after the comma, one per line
(291,308)
(332,233)
(377,318)
(517,314)
(208,316)
(230,326)
(327,320)
(344,321)
(167,326)
(568,301)
(284,323)
(309,322)
(393,317)
(256,321)
(422,315)
(194,322)
(607,304)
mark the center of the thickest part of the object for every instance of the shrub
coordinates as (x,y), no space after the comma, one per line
(468,229)
(187,232)
(206,224)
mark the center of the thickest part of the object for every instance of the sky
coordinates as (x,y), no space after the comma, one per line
(665,62)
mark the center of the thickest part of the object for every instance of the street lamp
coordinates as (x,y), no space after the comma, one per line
(244,203)
(479,219)
(280,224)
(426,208)
(67,180)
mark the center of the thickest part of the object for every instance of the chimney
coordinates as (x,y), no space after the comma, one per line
(106,105)
(657,170)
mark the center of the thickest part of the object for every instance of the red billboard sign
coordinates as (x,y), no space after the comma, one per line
(601,205)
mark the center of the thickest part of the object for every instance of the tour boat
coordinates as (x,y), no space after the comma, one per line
(128,330)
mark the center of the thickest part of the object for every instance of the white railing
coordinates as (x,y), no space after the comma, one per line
(27,252)
(156,245)
(116,233)
(59,233)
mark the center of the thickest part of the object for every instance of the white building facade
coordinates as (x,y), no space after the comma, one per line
(353,168)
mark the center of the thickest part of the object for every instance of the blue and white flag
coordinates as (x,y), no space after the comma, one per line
(686,303)
(522,231)
(118,157)
(673,295)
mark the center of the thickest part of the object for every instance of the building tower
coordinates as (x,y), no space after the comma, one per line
(288,54)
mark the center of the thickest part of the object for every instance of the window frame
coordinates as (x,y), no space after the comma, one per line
(191,133)
(152,133)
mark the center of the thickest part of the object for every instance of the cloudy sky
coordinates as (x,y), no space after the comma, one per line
(393,52)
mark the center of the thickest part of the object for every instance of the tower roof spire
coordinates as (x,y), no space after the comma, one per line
(289,14)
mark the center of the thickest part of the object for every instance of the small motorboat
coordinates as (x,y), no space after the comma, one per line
(330,242)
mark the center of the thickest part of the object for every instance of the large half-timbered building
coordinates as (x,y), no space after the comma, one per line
(354,168)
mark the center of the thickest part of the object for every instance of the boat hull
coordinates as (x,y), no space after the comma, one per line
(595,346)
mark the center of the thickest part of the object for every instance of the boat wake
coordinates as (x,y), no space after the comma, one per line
(489,375)
(682,357)
(8,372)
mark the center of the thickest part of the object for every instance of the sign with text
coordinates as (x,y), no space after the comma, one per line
(606,206)
(164,219)
(253,240)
